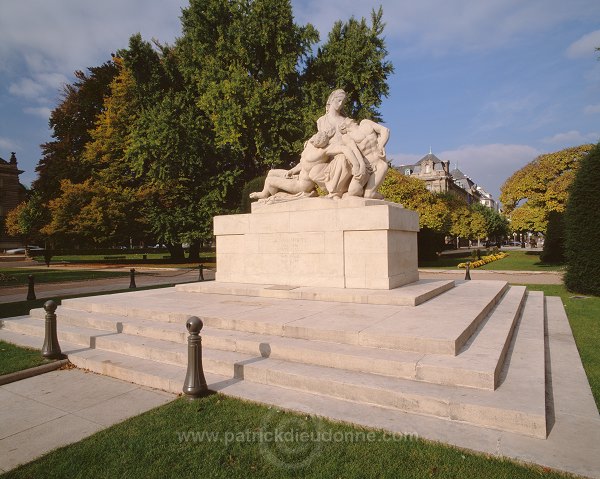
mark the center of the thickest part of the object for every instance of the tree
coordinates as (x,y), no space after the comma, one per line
(412,193)
(554,242)
(71,122)
(434,213)
(28,218)
(496,225)
(582,227)
(242,58)
(540,186)
(104,208)
(352,58)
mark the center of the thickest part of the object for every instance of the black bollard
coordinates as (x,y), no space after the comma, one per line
(468,273)
(201,272)
(132,279)
(31,290)
(195,382)
(51,348)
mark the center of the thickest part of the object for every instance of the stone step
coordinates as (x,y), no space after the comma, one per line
(442,325)
(409,295)
(479,362)
(477,365)
(517,405)
(71,334)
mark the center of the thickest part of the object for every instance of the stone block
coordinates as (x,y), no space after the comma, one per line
(348,243)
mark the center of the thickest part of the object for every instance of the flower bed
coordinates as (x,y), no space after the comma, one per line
(484,260)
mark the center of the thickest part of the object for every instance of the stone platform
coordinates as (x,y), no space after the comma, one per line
(348,243)
(471,365)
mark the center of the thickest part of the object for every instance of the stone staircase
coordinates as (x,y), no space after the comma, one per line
(469,353)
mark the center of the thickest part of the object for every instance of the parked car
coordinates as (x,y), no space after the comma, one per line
(22,250)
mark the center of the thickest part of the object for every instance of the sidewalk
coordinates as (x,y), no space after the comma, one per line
(45,412)
(515,277)
(144,277)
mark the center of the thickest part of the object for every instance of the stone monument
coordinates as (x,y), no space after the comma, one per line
(349,238)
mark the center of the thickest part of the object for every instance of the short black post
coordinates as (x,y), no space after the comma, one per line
(195,383)
(30,289)
(201,272)
(468,273)
(132,279)
(51,348)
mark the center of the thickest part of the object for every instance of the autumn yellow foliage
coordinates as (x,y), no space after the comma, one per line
(540,187)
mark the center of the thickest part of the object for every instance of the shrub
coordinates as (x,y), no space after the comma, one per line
(554,244)
(430,243)
(582,227)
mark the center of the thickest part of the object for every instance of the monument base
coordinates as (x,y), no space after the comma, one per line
(348,243)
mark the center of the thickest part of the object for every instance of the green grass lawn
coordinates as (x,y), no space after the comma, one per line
(99,258)
(10,277)
(223,441)
(515,261)
(16,358)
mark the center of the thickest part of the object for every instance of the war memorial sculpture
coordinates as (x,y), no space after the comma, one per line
(349,238)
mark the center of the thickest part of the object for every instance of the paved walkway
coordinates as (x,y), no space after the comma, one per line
(515,277)
(52,410)
(144,277)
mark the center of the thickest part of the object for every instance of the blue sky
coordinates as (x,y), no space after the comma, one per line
(488,84)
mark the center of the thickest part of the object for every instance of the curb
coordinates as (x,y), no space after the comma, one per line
(36,371)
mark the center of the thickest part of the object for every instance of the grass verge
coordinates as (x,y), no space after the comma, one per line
(10,277)
(515,261)
(220,437)
(16,358)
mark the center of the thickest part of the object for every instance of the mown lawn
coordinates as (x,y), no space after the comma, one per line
(16,358)
(221,437)
(10,277)
(158,258)
(515,261)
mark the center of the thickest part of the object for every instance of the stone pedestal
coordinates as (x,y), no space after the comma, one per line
(349,243)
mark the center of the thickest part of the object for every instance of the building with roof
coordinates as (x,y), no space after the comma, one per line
(439,179)
(12,192)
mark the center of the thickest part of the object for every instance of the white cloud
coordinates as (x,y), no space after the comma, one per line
(572,137)
(8,144)
(27,88)
(67,35)
(35,89)
(404,158)
(592,109)
(585,46)
(438,26)
(42,112)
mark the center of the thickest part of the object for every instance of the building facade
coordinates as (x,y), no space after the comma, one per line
(440,179)
(11,194)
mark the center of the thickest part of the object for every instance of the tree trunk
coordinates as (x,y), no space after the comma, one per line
(195,250)
(176,251)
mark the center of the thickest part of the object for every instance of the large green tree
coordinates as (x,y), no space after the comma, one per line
(540,187)
(582,227)
(71,122)
(182,128)
(242,58)
(352,58)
